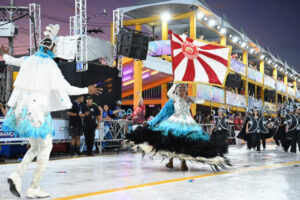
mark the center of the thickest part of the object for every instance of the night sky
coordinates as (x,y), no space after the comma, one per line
(274,23)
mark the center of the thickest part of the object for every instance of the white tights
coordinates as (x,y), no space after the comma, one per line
(42,149)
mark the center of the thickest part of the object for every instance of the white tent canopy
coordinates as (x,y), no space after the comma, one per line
(97,48)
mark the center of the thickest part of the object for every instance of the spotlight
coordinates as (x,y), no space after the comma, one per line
(240,42)
(251,50)
(211,22)
(262,56)
(223,31)
(205,19)
(218,27)
(244,44)
(247,47)
(269,61)
(165,16)
(200,15)
(230,35)
(235,39)
(255,52)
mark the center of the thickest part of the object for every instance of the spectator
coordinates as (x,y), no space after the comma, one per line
(138,115)
(118,110)
(255,66)
(106,115)
(198,117)
(2,114)
(186,33)
(240,59)
(234,56)
(75,124)
(90,123)
(207,119)
(237,128)
(242,91)
(2,109)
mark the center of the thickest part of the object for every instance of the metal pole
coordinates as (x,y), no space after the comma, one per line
(11,50)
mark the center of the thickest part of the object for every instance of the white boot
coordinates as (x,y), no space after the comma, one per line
(15,184)
(36,193)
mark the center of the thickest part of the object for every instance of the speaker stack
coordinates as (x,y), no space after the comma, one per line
(133,44)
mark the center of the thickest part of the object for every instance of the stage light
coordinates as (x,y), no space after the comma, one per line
(230,35)
(205,19)
(240,42)
(211,22)
(244,44)
(269,61)
(223,31)
(262,57)
(235,39)
(165,16)
(251,50)
(200,15)
(247,47)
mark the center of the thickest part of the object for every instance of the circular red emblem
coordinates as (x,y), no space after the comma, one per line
(189,50)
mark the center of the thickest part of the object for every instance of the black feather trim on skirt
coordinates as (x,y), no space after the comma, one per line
(180,147)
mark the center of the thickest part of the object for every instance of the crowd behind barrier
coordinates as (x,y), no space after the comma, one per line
(238,66)
(110,134)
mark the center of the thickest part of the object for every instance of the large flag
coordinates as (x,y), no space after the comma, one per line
(199,61)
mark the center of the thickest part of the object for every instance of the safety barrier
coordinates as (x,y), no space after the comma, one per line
(112,133)
(109,136)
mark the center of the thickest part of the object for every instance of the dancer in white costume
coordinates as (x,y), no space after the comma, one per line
(39,89)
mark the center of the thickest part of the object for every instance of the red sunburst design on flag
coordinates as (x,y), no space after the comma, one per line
(198,61)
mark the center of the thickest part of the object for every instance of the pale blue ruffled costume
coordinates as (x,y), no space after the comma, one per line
(23,124)
(175,118)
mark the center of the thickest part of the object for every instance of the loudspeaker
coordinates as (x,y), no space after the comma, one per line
(234,80)
(133,44)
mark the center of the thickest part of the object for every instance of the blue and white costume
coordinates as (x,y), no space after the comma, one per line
(174,133)
(39,89)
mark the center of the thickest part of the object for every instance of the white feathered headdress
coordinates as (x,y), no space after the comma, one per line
(51,35)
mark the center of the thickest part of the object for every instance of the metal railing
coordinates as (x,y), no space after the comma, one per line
(112,133)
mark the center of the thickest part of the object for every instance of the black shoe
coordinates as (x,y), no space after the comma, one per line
(72,151)
(77,151)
